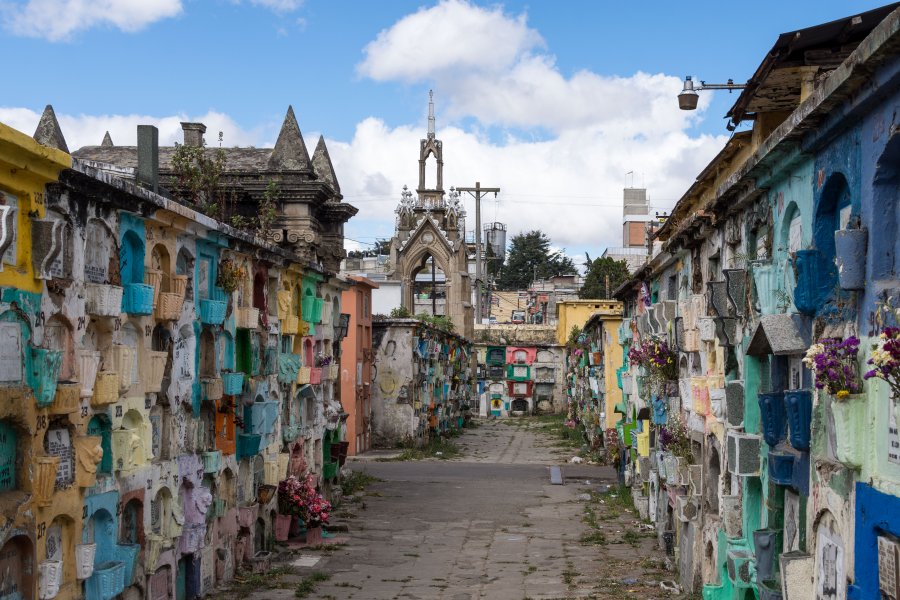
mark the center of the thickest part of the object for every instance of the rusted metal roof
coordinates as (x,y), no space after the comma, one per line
(775,86)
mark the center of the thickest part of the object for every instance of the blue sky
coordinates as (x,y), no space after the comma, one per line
(543,98)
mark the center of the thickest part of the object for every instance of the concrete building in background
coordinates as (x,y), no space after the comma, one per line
(636,223)
(357,359)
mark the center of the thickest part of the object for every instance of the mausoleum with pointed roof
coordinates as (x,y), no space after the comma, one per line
(310,213)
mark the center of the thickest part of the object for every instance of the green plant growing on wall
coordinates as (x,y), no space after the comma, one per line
(268,208)
(574,334)
(230,276)
(442,322)
(400,312)
(198,175)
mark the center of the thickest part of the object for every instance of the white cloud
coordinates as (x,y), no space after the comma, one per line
(491,66)
(57,20)
(567,181)
(280,6)
(453,36)
(88,130)
(569,187)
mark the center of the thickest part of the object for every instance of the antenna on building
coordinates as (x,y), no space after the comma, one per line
(632,179)
(430,113)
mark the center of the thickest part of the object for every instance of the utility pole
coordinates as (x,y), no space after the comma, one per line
(476,193)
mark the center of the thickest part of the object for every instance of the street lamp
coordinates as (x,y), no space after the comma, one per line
(687,99)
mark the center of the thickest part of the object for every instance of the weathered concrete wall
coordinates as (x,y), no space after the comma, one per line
(524,335)
(144,410)
(423,382)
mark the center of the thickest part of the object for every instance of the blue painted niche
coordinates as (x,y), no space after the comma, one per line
(876,514)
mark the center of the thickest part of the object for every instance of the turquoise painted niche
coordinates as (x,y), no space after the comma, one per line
(131,248)
(8,450)
(43,374)
(100,426)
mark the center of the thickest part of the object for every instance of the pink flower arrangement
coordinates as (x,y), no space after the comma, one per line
(298,497)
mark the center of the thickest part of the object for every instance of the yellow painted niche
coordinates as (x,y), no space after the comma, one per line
(26,167)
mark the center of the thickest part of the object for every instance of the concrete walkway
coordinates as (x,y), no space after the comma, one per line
(486,525)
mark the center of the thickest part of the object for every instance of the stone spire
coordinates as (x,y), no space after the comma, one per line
(289,153)
(430,113)
(322,166)
(48,132)
(107,141)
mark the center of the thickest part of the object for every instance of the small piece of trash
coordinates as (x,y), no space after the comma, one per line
(438,453)
(584,497)
(306,560)
(629,581)
(670,586)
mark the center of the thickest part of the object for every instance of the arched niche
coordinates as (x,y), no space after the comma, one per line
(58,440)
(59,544)
(259,536)
(14,333)
(101,530)
(834,210)
(160,261)
(100,426)
(884,219)
(58,337)
(17,566)
(161,338)
(160,431)
(132,258)
(61,267)
(208,362)
(227,490)
(429,283)
(206,428)
(100,254)
(132,338)
(184,266)
(132,524)
(713,476)
(308,353)
(133,421)
(226,350)
(161,513)
(790,238)
(260,295)
(98,335)
(12,438)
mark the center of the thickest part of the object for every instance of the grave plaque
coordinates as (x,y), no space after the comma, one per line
(59,444)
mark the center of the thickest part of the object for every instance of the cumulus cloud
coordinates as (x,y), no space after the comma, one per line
(569,187)
(57,20)
(451,37)
(88,130)
(566,141)
(591,128)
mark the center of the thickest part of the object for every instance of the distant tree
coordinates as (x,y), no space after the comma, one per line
(597,272)
(530,258)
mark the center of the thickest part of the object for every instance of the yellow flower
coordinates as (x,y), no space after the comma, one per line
(842,394)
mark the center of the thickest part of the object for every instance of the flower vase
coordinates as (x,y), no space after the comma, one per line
(313,534)
(850,429)
(282,527)
(84,560)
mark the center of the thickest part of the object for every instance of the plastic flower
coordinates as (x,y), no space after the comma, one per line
(834,363)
